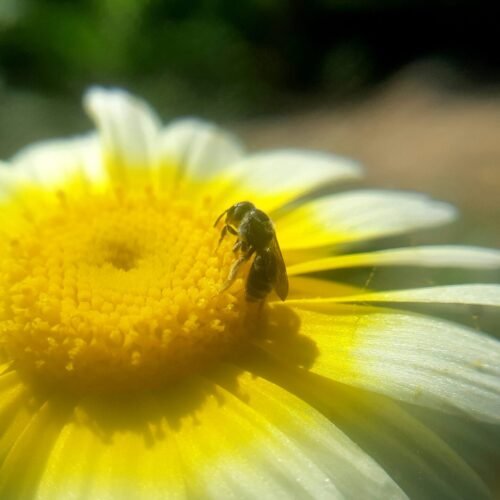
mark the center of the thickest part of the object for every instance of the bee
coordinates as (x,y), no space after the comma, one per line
(255,235)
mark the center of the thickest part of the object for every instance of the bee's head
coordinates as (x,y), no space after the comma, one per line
(236,213)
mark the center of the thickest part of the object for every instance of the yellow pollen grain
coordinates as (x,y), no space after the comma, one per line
(115,290)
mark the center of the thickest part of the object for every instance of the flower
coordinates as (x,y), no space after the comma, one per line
(127,373)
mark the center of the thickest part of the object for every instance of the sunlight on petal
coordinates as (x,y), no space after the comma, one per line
(359,215)
(413,358)
(128,131)
(195,150)
(483,295)
(272,179)
(427,256)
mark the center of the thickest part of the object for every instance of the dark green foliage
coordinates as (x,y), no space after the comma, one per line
(238,56)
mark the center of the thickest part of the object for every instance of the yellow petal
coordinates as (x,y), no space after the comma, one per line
(200,440)
(249,457)
(25,461)
(126,464)
(14,412)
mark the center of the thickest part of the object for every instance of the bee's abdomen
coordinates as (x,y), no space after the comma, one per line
(262,276)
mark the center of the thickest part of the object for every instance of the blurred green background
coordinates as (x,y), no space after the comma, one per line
(235,57)
(408,87)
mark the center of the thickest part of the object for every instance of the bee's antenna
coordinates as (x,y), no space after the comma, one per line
(220,217)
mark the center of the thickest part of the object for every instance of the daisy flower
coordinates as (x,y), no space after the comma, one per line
(129,371)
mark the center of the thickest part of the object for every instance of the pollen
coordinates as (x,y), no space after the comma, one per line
(115,290)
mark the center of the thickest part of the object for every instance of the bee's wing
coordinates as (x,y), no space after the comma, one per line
(281,284)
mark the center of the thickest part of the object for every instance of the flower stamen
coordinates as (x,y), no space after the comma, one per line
(115,290)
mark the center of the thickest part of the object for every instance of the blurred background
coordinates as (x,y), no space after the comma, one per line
(411,88)
(408,87)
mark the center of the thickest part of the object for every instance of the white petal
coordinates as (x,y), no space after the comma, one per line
(422,360)
(421,462)
(350,469)
(11,179)
(197,149)
(237,453)
(52,163)
(478,443)
(128,130)
(270,179)
(431,362)
(477,294)
(430,256)
(359,215)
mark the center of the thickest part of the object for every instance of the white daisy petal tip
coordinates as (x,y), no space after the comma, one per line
(361,215)
(295,156)
(445,212)
(417,206)
(118,100)
(98,96)
(128,127)
(52,162)
(299,167)
(200,148)
(274,178)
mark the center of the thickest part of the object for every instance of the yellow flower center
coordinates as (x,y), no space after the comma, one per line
(115,290)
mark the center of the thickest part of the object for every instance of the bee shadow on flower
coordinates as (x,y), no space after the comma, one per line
(159,414)
(151,417)
(279,328)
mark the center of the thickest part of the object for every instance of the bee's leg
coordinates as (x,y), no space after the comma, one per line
(237,245)
(226,229)
(244,247)
(233,272)
(222,236)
